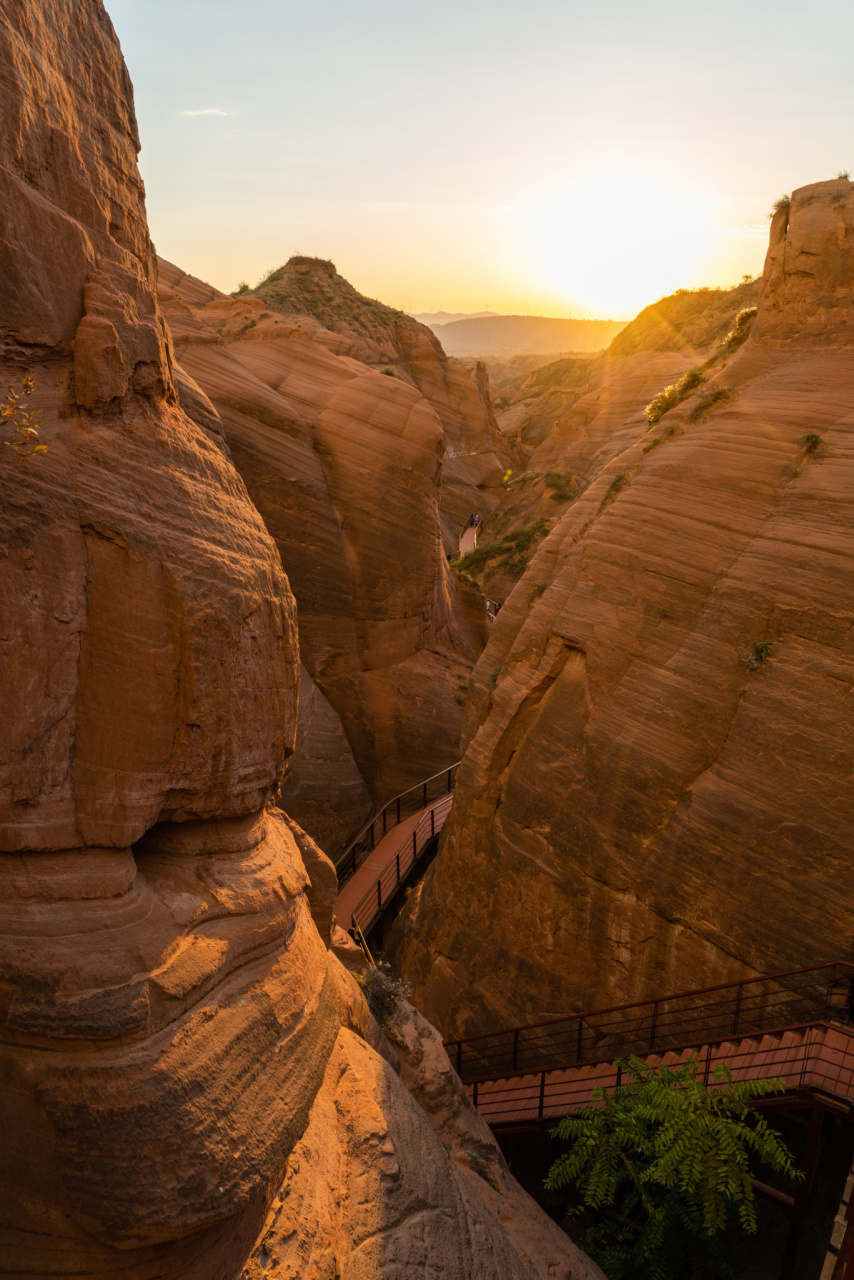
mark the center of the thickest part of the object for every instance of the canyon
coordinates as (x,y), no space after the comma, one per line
(193,1083)
(656,740)
(236,623)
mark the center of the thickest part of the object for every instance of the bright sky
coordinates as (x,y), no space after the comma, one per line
(542,156)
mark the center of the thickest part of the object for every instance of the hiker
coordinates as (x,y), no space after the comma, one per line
(472,520)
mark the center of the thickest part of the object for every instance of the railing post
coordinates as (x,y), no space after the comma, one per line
(708,1064)
(474,1095)
(737,1013)
(654,1026)
(579,1049)
(542,1106)
(619,1077)
(424,806)
(515,1050)
(450,774)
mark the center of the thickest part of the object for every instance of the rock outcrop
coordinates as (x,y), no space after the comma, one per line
(344,464)
(572,417)
(656,786)
(349,324)
(181,1051)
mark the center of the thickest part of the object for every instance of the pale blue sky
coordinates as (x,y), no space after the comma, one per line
(562,158)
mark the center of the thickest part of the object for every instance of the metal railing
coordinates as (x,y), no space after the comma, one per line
(710,1015)
(818,1057)
(395,812)
(368,911)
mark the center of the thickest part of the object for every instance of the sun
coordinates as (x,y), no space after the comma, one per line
(614,241)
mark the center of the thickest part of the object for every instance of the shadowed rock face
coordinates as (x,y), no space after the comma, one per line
(649,799)
(344,464)
(178,1045)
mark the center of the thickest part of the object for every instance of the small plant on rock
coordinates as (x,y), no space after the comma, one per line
(811,442)
(384,992)
(708,399)
(753,658)
(20,427)
(673,395)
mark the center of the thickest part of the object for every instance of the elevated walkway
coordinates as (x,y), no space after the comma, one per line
(386,852)
(797,1025)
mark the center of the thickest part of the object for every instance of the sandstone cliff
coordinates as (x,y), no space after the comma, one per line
(350,324)
(344,464)
(573,417)
(181,1052)
(656,786)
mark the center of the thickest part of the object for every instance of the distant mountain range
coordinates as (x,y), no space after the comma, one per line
(494,335)
(448,317)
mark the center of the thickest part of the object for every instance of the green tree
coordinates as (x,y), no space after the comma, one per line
(20,427)
(665,1160)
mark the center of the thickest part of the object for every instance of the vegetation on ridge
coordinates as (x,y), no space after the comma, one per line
(663,1163)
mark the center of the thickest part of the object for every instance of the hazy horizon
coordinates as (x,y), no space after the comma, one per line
(550,160)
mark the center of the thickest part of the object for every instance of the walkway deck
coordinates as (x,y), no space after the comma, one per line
(819,1058)
(398,840)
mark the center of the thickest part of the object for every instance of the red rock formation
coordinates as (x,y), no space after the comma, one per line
(177,1040)
(574,416)
(344,464)
(350,324)
(656,786)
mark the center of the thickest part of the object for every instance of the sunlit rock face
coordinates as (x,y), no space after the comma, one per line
(656,786)
(345,465)
(178,1043)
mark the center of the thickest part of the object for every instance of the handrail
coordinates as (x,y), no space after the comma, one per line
(369,909)
(637,1004)
(391,815)
(751,1005)
(817,1056)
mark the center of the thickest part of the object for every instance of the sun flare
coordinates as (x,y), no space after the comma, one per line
(612,242)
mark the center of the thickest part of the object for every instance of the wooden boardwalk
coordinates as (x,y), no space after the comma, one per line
(377,867)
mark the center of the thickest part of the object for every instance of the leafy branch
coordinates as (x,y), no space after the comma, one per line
(20,426)
(664,1162)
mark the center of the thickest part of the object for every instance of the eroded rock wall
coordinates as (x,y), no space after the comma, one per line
(177,1038)
(344,464)
(650,798)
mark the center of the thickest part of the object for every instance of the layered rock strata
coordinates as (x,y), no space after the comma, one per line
(574,416)
(656,787)
(350,324)
(344,464)
(178,1039)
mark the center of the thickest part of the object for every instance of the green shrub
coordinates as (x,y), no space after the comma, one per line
(560,485)
(389,372)
(536,591)
(784,202)
(494,674)
(509,554)
(673,395)
(664,1162)
(741,329)
(709,398)
(811,442)
(753,658)
(384,992)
